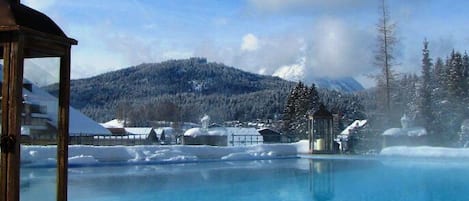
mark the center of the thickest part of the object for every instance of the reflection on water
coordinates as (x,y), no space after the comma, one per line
(322,179)
(272,180)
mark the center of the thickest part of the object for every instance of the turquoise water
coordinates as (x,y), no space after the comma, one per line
(272,180)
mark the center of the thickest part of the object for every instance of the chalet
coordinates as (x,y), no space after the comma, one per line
(40,120)
(344,139)
(146,134)
(166,135)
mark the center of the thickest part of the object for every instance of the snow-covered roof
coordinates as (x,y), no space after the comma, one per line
(79,124)
(115,123)
(138,130)
(167,130)
(355,125)
(411,132)
(242,131)
(266,129)
(194,132)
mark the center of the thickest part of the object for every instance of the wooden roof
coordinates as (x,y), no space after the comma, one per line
(322,113)
(15,16)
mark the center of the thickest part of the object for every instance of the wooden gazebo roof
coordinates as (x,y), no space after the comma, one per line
(16,17)
(322,113)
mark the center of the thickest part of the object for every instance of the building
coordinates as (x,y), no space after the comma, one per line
(40,118)
(270,135)
(240,136)
(167,136)
(145,134)
(344,139)
(206,136)
(321,135)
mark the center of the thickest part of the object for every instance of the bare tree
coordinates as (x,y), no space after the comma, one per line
(123,110)
(384,58)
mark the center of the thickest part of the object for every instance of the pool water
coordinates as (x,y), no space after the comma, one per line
(272,180)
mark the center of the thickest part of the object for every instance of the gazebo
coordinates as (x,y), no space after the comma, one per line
(321,139)
(27,33)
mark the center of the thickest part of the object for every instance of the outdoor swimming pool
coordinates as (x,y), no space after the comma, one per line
(274,180)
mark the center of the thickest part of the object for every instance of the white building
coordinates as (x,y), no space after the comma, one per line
(40,117)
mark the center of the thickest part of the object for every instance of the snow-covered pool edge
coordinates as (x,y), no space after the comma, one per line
(94,155)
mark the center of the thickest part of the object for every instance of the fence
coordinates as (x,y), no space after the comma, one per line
(130,140)
(243,140)
(107,140)
(96,140)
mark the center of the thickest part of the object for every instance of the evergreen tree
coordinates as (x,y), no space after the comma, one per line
(465,65)
(455,82)
(314,98)
(449,103)
(302,101)
(425,103)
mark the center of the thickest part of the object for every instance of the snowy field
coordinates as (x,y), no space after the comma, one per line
(96,155)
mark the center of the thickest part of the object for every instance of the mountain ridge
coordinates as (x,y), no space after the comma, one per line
(204,87)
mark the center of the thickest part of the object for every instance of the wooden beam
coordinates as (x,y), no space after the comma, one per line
(6,82)
(11,117)
(63,127)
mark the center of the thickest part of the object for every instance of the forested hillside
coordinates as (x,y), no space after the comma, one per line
(184,90)
(193,85)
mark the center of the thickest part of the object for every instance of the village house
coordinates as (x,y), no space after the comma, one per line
(39,119)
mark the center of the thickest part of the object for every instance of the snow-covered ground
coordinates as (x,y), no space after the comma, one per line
(100,155)
(96,155)
(426,151)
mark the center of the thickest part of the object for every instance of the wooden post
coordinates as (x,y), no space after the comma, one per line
(14,1)
(11,117)
(63,130)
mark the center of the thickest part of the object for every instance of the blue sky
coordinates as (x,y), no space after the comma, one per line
(295,39)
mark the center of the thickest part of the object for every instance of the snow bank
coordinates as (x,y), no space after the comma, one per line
(95,155)
(411,132)
(426,151)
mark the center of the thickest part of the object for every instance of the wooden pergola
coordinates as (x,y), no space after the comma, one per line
(27,33)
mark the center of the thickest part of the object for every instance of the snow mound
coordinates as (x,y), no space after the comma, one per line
(411,132)
(95,155)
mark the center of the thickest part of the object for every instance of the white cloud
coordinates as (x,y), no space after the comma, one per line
(250,43)
(293,72)
(331,47)
(338,49)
